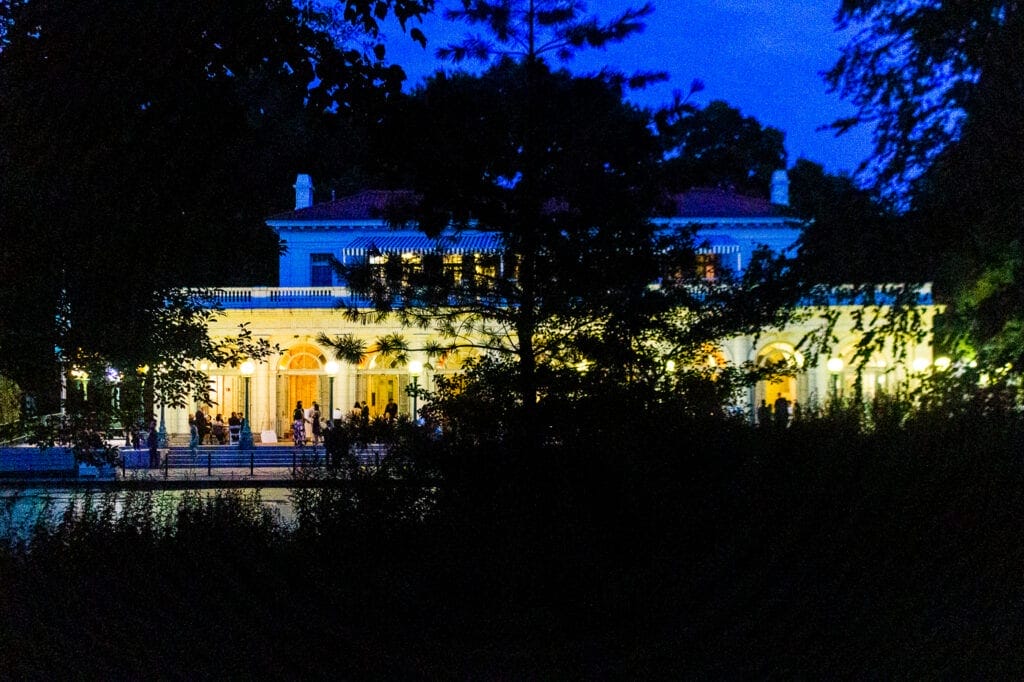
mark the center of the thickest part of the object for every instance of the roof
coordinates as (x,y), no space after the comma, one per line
(712,202)
(377,205)
(366,205)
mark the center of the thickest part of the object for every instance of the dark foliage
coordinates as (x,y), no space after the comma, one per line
(853,236)
(717,146)
(942,86)
(145,143)
(644,545)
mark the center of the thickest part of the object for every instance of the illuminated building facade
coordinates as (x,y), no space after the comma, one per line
(305,304)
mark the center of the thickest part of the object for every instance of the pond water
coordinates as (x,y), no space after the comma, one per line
(21,507)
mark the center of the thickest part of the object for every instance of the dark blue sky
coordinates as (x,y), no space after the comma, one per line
(762,56)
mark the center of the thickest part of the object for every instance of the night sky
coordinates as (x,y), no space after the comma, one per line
(762,56)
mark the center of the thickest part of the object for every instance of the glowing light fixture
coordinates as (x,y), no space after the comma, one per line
(920,364)
(942,362)
(834,365)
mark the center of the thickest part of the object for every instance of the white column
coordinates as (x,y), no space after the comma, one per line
(347,384)
(267,396)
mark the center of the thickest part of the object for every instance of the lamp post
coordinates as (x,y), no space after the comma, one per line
(245,435)
(331,368)
(415,367)
(161,433)
(162,441)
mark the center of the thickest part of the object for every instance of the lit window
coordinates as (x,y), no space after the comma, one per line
(707,266)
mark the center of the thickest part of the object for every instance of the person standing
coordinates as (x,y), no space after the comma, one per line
(151,441)
(201,426)
(299,424)
(781,412)
(314,418)
(335,443)
(193,439)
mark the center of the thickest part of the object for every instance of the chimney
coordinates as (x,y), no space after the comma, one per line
(304,191)
(780,188)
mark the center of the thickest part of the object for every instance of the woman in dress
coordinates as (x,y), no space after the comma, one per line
(299,425)
(314,419)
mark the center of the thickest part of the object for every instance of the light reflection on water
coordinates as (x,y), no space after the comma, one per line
(21,507)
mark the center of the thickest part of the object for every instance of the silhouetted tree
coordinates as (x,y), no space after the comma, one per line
(853,235)
(141,146)
(942,86)
(554,164)
(717,146)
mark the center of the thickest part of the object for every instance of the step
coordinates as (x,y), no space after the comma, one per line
(262,456)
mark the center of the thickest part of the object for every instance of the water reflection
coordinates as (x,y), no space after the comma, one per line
(20,508)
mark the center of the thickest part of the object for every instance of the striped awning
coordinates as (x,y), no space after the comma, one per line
(463,243)
(716,243)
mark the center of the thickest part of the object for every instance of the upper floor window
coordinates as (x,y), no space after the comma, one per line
(708,266)
(321,274)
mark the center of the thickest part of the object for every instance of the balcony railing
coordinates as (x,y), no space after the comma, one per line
(275,297)
(332,297)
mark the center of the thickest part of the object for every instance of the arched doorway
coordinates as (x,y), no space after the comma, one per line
(300,377)
(787,362)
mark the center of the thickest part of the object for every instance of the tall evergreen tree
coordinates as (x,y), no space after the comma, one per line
(576,242)
(561,176)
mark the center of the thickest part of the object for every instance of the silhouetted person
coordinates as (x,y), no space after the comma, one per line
(781,412)
(335,443)
(314,417)
(201,425)
(151,441)
(194,438)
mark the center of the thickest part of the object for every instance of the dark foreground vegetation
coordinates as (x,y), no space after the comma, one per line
(651,549)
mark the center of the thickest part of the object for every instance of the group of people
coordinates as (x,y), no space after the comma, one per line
(361,411)
(360,414)
(216,430)
(299,420)
(779,413)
